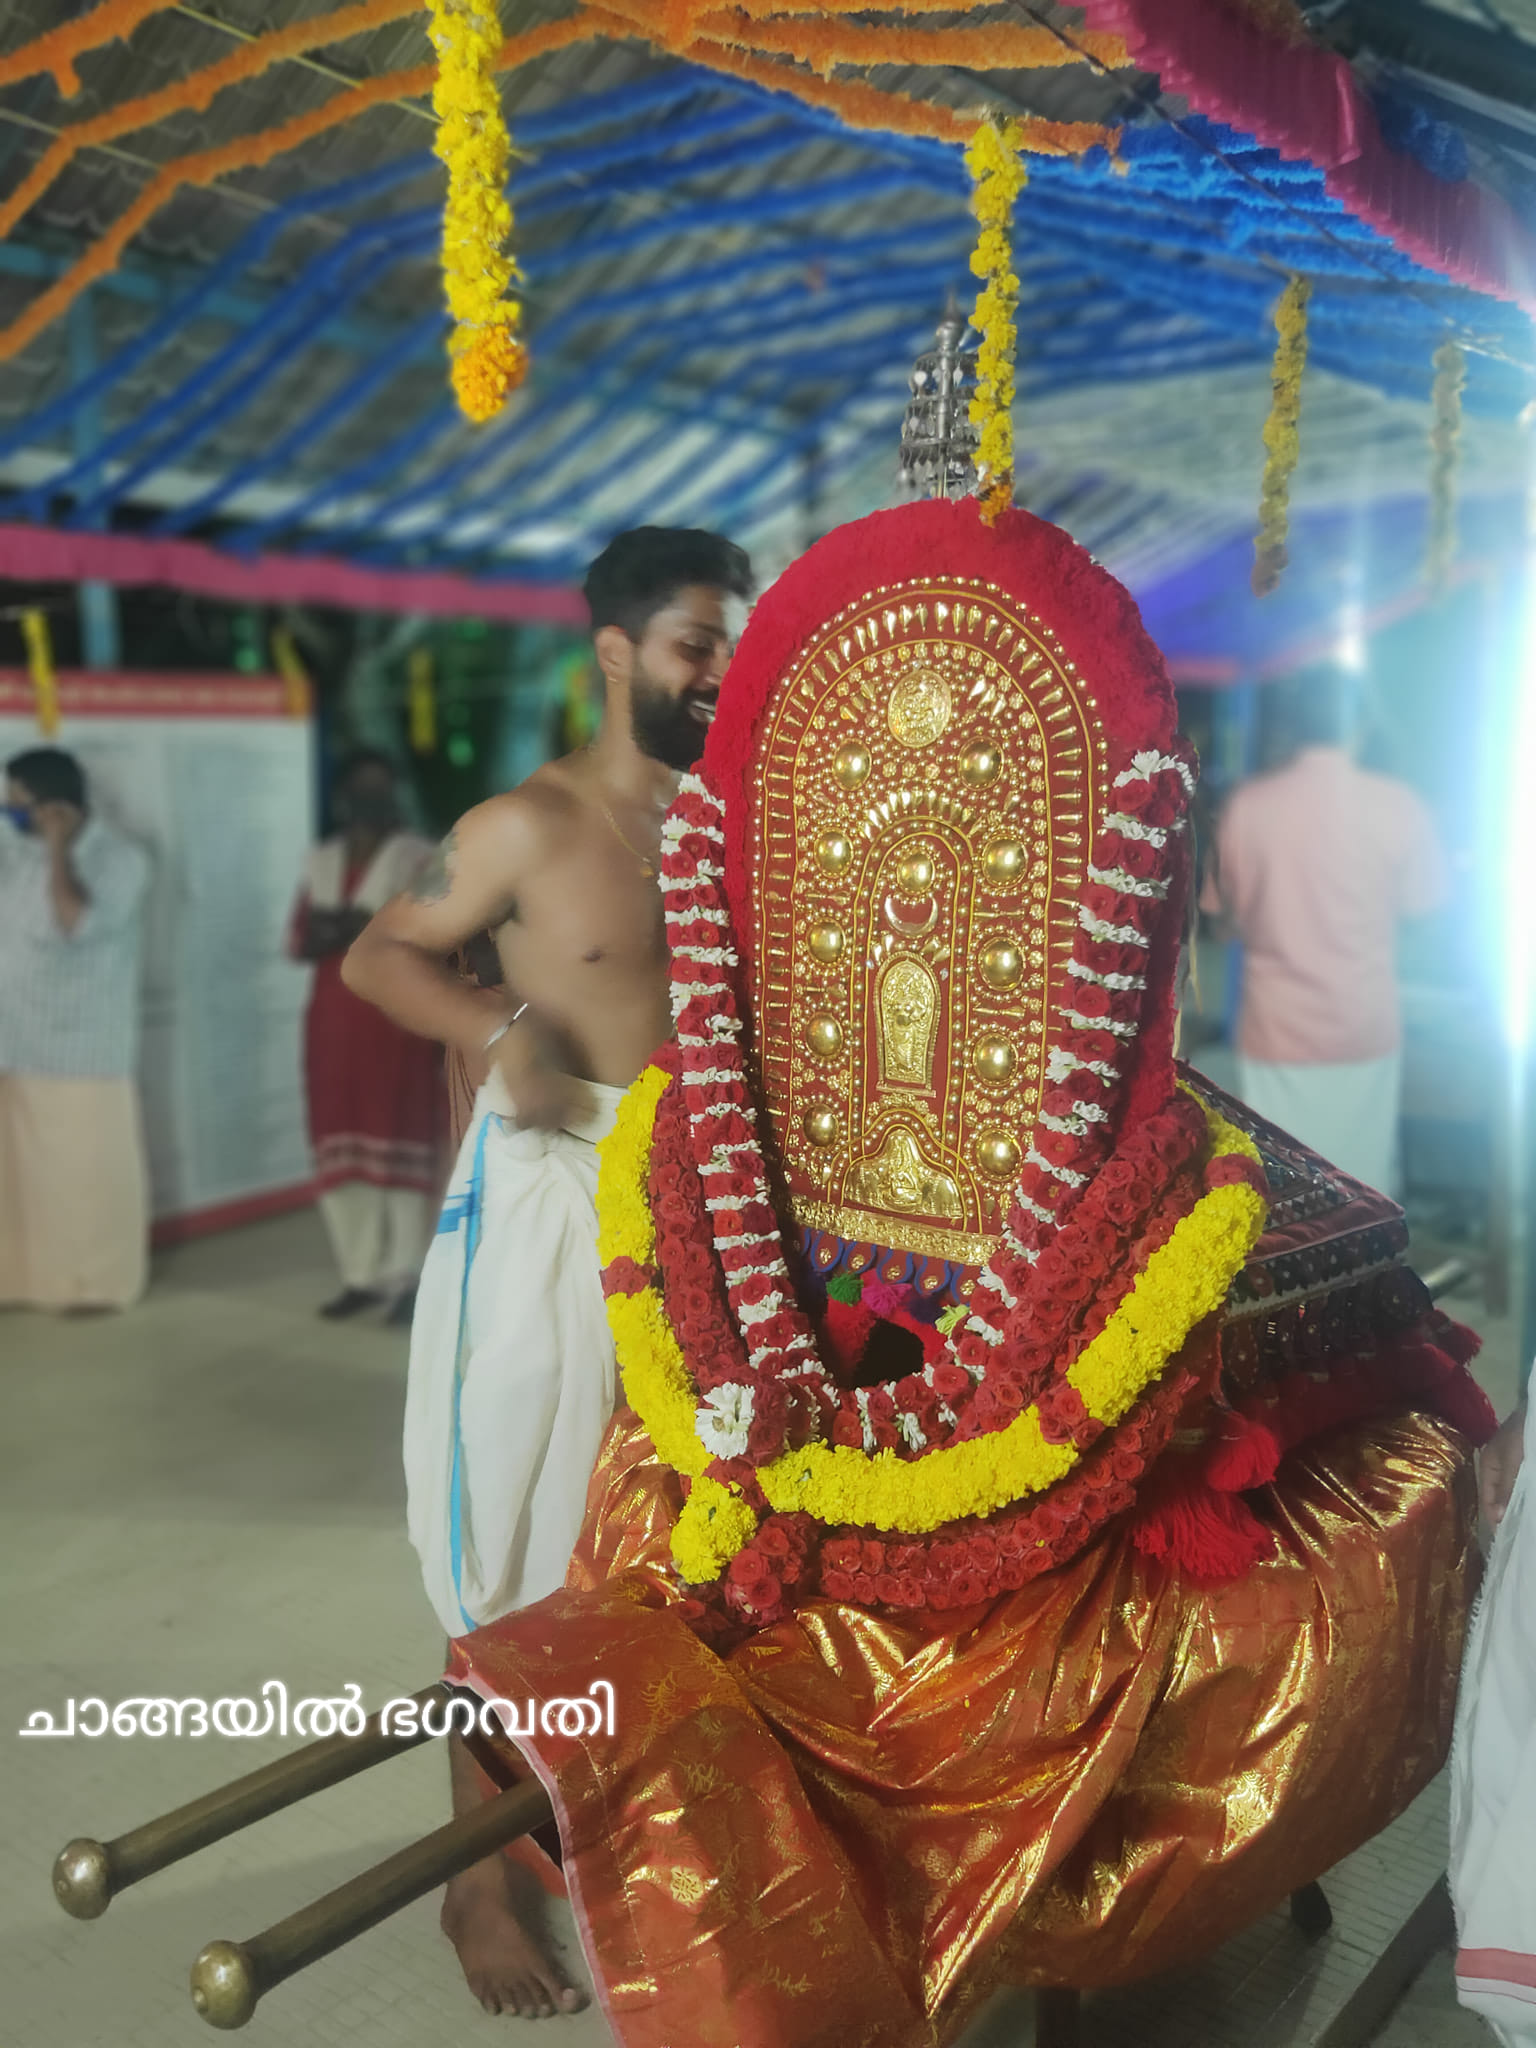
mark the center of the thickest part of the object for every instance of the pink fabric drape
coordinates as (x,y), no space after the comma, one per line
(38,554)
(1305,103)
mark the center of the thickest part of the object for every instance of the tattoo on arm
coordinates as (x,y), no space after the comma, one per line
(436,878)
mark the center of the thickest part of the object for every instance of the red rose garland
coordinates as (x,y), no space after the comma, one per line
(999,1359)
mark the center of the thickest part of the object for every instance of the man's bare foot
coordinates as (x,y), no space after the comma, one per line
(503,1961)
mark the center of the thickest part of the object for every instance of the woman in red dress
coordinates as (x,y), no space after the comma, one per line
(377,1109)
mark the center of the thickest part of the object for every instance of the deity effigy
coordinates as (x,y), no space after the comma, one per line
(1039,1537)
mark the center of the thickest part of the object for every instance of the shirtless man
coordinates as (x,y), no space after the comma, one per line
(512,1379)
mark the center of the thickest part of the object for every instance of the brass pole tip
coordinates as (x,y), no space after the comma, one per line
(82,1879)
(224,1987)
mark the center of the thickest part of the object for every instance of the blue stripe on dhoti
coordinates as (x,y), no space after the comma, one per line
(463,1211)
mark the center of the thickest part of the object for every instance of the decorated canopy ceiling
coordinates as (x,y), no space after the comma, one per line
(221,313)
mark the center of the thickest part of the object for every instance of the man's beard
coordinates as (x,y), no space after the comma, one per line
(664,727)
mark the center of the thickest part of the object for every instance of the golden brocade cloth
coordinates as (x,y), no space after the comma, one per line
(855,1828)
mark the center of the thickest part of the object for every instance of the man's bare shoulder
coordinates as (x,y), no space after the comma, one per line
(503,841)
(553,801)
(541,808)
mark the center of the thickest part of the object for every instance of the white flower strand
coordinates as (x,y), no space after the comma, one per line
(1113,1025)
(1113,934)
(1061,1065)
(1126,884)
(723,1419)
(1073,1179)
(1144,766)
(1122,981)
(1137,828)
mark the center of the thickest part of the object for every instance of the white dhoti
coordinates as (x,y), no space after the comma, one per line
(1493,1782)
(512,1380)
(1345,1111)
(74,1193)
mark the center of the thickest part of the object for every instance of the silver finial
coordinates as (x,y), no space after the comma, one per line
(938,441)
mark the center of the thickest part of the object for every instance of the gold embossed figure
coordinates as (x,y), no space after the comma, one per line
(920,708)
(899,1180)
(907,1023)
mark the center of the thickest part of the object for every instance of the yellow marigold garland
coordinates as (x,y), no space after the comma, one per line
(1280,435)
(45,681)
(1183,1282)
(488,360)
(1445,444)
(997,178)
(714,1525)
(625,1226)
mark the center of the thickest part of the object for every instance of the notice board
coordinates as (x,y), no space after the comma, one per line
(213,776)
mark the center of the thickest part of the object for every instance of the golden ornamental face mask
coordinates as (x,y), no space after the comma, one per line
(929,779)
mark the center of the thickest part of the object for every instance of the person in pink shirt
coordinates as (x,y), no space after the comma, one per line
(1316,864)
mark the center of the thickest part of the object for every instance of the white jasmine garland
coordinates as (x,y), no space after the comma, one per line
(1035,1157)
(1060,1065)
(724,1418)
(911,1430)
(1113,1025)
(1115,934)
(1135,828)
(1125,883)
(1144,766)
(1082,973)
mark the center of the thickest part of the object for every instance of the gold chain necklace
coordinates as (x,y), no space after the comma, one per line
(647,865)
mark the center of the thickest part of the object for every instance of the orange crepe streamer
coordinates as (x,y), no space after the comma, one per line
(822,44)
(679,19)
(248,151)
(768,10)
(857,105)
(867,106)
(197,91)
(57,50)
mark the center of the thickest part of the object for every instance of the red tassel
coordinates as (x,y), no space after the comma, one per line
(1211,1537)
(1247,1454)
(1443,1383)
(1460,1343)
(844,1333)
(1466,1407)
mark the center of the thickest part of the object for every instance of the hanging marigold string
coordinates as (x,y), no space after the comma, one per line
(203,167)
(997,178)
(45,682)
(1445,455)
(56,50)
(479,270)
(1281,438)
